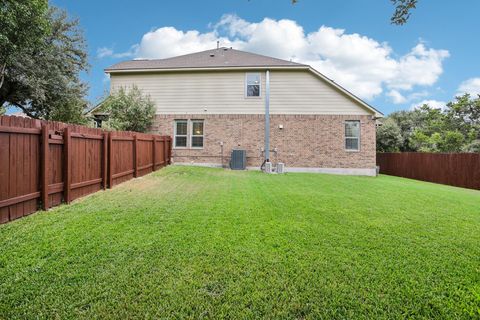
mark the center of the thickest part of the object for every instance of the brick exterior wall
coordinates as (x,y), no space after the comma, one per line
(306,141)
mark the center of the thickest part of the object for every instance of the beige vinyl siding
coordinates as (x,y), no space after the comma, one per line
(223,92)
(302,92)
(179,93)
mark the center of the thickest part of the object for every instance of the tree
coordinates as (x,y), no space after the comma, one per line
(463,114)
(449,141)
(389,137)
(129,110)
(408,122)
(42,79)
(402,12)
(453,129)
(472,147)
(17,36)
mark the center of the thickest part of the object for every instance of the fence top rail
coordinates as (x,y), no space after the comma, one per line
(21,130)
(86,136)
(115,138)
(21,125)
(145,139)
(430,153)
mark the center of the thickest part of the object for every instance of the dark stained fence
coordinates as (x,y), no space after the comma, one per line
(46,163)
(455,169)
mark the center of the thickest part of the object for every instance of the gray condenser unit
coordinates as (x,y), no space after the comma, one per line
(239,160)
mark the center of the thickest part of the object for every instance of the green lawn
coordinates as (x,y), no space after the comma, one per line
(190,242)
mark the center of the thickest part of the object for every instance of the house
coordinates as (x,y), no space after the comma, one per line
(215,101)
(97,115)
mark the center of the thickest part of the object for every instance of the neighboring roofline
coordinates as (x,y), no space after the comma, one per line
(98,105)
(365,105)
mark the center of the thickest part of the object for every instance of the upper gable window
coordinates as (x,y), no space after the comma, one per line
(253,85)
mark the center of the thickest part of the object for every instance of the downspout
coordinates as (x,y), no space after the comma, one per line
(267,116)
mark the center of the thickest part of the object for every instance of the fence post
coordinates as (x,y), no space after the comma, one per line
(67,158)
(110,161)
(169,150)
(135,151)
(104,160)
(165,151)
(44,168)
(154,154)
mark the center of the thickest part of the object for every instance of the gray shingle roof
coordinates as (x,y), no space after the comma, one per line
(216,58)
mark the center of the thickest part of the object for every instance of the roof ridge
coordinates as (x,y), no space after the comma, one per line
(226,57)
(217,49)
(180,56)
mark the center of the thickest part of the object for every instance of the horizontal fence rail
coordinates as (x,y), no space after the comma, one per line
(455,169)
(44,163)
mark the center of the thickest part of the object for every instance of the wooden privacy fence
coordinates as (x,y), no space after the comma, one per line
(456,169)
(44,163)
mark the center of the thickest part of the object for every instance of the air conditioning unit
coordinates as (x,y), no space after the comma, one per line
(238,160)
(280,167)
(268,167)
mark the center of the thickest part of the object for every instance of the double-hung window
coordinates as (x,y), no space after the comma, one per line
(181,133)
(188,133)
(197,134)
(253,85)
(352,135)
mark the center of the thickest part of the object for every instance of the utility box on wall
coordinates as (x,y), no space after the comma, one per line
(238,160)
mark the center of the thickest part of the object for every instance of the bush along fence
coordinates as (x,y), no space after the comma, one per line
(455,169)
(43,163)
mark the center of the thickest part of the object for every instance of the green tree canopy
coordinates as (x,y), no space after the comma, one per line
(17,36)
(41,75)
(389,137)
(455,128)
(129,110)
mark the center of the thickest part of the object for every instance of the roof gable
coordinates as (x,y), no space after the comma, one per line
(347,93)
(224,59)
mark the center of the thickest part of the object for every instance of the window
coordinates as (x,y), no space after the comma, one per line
(352,135)
(253,85)
(197,134)
(181,131)
(188,134)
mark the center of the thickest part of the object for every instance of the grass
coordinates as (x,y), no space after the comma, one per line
(190,242)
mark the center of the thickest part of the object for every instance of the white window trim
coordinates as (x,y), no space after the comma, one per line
(193,135)
(179,135)
(345,136)
(246,86)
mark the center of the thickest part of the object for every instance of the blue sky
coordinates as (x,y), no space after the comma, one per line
(431,58)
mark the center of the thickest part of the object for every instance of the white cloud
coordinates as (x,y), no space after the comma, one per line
(421,66)
(104,52)
(363,65)
(471,86)
(396,97)
(435,104)
(168,42)
(108,52)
